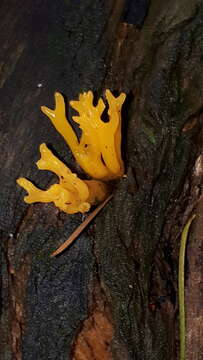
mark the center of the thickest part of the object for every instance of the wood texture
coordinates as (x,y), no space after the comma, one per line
(118,282)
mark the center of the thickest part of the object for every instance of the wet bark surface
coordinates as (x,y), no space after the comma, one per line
(113,293)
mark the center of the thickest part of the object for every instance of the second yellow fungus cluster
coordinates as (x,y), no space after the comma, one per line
(98,152)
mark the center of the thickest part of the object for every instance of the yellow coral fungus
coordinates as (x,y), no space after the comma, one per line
(72,194)
(98,151)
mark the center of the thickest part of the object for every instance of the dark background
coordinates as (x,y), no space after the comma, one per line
(113,293)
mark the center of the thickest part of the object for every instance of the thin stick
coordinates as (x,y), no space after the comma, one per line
(80,228)
(181,286)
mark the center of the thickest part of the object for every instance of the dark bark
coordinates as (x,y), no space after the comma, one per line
(113,293)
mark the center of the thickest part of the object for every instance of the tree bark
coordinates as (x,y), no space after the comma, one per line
(113,294)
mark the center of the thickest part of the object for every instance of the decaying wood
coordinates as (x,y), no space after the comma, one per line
(81,227)
(113,293)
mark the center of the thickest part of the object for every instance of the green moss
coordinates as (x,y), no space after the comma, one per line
(150,134)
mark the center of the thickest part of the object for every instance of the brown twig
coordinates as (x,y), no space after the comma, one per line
(80,228)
